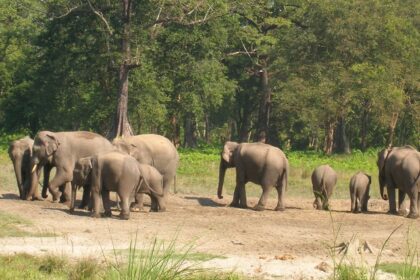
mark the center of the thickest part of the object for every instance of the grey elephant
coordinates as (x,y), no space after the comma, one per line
(259,163)
(154,150)
(324,179)
(20,152)
(121,173)
(399,168)
(359,192)
(61,150)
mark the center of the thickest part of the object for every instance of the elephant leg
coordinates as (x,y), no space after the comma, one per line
(65,193)
(161,202)
(96,198)
(235,200)
(414,204)
(61,177)
(359,202)
(73,197)
(281,190)
(392,204)
(107,203)
(365,200)
(86,197)
(242,197)
(325,202)
(125,207)
(353,202)
(137,205)
(263,199)
(401,197)
(154,204)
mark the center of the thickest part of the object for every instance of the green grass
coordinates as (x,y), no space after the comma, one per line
(199,169)
(13,226)
(351,272)
(402,270)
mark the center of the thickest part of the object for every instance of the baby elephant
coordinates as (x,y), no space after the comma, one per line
(359,192)
(323,179)
(115,171)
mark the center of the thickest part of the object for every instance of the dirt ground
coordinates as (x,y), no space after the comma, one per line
(268,244)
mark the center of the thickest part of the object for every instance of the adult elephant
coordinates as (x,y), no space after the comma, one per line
(154,150)
(20,152)
(61,150)
(399,168)
(259,163)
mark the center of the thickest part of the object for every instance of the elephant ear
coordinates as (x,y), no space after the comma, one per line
(227,153)
(52,144)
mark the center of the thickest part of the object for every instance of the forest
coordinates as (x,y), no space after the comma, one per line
(326,75)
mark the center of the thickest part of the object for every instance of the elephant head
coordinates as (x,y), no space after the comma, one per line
(82,170)
(227,160)
(20,152)
(45,145)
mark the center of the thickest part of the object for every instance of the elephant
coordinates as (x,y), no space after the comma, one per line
(324,179)
(259,163)
(61,150)
(154,150)
(20,152)
(359,192)
(119,172)
(399,167)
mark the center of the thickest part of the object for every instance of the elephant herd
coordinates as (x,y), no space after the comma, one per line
(147,164)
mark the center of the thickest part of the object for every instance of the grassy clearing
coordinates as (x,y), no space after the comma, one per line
(15,226)
(160,261)
(199,168)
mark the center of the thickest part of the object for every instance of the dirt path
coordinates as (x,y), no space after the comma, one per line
(267,244)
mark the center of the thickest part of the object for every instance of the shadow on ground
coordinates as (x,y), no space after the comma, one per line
(9,196)
(205,201)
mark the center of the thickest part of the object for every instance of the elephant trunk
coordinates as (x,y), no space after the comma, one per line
(383,195)
(34,180)
(222,172)
(17,165)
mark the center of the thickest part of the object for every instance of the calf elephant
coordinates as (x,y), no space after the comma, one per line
(154,150)
(359,192)
(259,163)
(399,168)
(61,150)
(20,152)
(119,172)
(324,179)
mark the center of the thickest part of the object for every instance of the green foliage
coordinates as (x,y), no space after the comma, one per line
(199,72)
(402,270)
(349,272)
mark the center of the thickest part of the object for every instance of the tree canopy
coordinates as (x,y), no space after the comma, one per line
(331,75)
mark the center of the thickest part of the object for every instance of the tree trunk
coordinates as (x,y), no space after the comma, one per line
(329,137)
(175,131)
(264,110)
(207,128)
(392,126)
(343,145)
(121,126)
(363,130)
(190,140)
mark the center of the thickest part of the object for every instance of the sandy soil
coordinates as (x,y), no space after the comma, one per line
(268,244)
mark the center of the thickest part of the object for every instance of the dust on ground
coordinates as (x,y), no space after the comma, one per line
(268,244)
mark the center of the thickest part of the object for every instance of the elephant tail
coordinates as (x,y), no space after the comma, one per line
(283,178)
(175,191)
(141,180)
